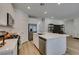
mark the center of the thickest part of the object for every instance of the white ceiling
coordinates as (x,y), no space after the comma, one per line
(62,11)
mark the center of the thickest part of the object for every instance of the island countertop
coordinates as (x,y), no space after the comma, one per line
(52,35)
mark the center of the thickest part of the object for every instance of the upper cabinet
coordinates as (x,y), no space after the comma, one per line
(6,14)
(3,18)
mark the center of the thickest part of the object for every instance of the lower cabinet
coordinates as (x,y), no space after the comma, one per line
(42,45)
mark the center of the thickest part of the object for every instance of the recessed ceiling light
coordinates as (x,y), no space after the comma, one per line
(28,7)
(59,3)
(45,12)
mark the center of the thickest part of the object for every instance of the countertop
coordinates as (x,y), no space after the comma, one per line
(52,35)
(9,45)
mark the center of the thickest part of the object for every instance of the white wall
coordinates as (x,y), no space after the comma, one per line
(20,21)
(76,27)
(71,27)
(42,26)
(21,25)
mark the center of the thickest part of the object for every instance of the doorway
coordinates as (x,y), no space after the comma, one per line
(32,28)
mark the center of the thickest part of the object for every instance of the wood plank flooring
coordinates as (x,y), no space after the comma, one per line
(28,48)
(73,46)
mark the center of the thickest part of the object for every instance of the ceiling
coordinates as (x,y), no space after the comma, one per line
(62,11)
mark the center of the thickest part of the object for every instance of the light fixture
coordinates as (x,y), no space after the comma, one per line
(28,7)
(45,12)
(58,3)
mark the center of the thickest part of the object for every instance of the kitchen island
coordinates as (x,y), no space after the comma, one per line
(52,44)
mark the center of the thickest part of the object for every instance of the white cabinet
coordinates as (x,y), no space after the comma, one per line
(52,44)
(10,47)
(3,18)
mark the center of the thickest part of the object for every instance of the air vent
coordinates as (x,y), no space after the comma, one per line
(42,4)
(30,16)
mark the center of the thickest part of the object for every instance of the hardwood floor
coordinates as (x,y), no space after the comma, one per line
(28,48)
(73,46)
